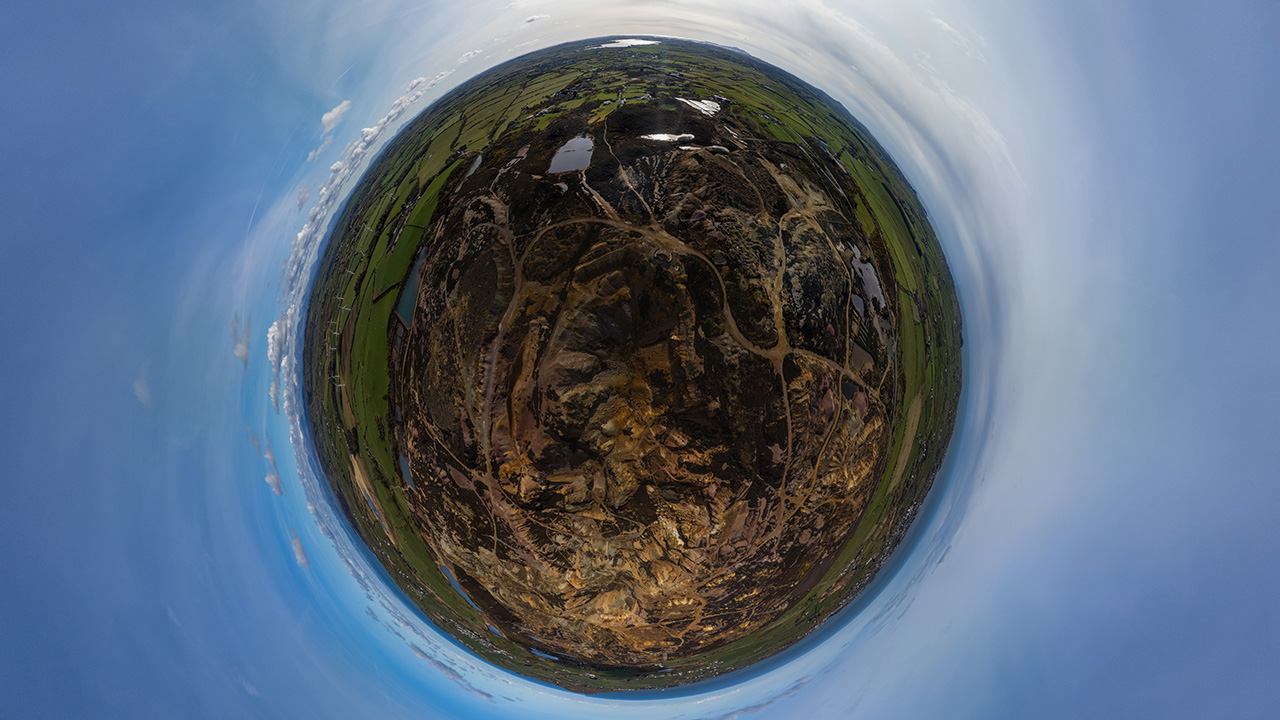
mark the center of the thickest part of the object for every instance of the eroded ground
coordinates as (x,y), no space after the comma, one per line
(658,414)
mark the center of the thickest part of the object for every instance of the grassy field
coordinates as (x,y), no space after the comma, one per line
(352,329)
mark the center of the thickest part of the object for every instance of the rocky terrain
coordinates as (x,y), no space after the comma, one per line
(643,408)
(632,364)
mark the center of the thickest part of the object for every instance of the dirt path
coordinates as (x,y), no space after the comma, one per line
(371,497)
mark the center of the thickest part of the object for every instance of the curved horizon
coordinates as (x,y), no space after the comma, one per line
(1100,176)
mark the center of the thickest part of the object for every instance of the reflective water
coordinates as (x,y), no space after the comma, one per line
(706,107)
(475,165)
(573,155)
(404,467)
(627,42)
(867,272)
(409,297)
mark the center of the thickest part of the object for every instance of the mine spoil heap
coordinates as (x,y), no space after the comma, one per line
(643,401)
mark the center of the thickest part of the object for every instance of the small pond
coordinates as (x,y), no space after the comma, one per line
(573,155)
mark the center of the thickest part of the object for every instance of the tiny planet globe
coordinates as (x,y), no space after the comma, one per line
(631,360)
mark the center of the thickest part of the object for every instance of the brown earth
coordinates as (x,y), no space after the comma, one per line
(634,397)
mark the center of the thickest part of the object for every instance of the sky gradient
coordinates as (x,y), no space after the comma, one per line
(1102,176)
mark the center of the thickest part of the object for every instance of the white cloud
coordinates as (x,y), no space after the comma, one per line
(970,47)
(141,388)
(142,391)
(422,84)
(467,56)
(536,18)
(241,349)
(275,351)
(304,194)
(330,120)
(324,145)
(299,553)
(266,453)
(273,472)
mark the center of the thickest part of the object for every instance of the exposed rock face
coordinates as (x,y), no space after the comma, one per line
(641,397)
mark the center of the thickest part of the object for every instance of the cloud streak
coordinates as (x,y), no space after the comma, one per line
(264,451)
(240,343)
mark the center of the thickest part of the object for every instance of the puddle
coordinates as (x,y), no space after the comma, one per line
(409,296)
(448,575)
(628,42)
(706,107)
(867,272)
(404,468)
(372,505)
(573,155)
(859,358)
(474,165)
(667,137)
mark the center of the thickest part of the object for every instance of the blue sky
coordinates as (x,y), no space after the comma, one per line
(1103,177)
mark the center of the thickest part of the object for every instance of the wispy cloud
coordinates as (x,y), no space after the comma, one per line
(273,479)
(762,705)
(299,553)
(240,342)
(141,388)
(330,120)
(972,48)
(304,194)
(324,145)
(264,451)
(448,671)
(536,18)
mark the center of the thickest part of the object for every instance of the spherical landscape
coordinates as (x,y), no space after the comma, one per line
(631,361)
